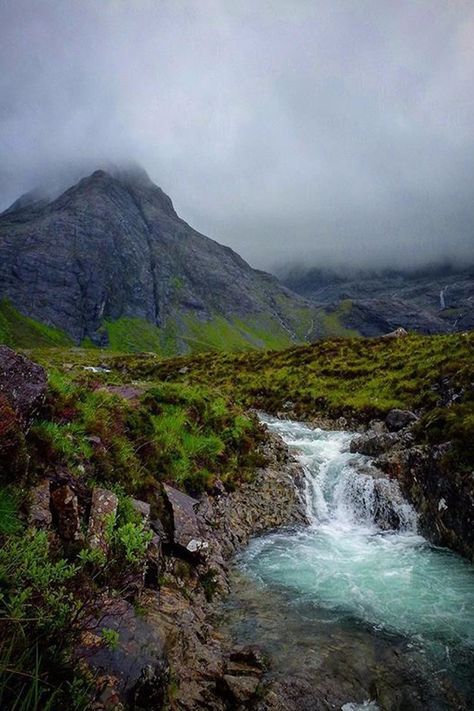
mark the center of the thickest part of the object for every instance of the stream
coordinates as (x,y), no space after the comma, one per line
(357,610)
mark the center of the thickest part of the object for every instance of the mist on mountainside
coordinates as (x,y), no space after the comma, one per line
(328,133)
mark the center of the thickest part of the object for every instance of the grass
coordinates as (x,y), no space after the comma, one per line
(18,331)
(184,434)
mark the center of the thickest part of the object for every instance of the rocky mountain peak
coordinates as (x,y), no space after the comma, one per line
(112,248)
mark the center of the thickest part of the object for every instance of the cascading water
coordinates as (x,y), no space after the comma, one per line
(359,570)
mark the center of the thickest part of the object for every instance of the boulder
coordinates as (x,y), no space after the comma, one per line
(103,508)
(13,454)
(66,512)
(39,514)
(398,333)
(23,384)
(398,419)
(241,688)
(186,531)
(373,443)
(134,670)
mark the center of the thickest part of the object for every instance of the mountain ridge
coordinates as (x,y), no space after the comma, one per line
(112,250)
(434,299)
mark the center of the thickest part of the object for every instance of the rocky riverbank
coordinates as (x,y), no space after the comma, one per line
(442,494)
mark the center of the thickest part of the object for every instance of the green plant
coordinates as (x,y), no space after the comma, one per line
(111,638)
(132,540)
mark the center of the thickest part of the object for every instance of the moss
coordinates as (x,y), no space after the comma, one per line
(19,331)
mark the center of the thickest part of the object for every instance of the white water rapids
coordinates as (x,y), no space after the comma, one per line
(361,561)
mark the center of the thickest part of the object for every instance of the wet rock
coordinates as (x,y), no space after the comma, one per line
(442,494)
(103,508)
(66,512)
(137,667)
(398,419)
(23,384)
(40,515)
(373,443)
(241,688)
(186,530)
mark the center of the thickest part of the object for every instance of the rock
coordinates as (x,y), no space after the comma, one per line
(186,531)
(137,666)
(249,655)
(150,691)
(241,688)
(23,384)
(103,508)
(40,515)
(398,419)
(373,443)
(442,494)
(154,562)
(398,333)
(13,454)
(66,511)
(142,508)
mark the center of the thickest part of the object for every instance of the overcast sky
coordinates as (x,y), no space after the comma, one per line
(321,131)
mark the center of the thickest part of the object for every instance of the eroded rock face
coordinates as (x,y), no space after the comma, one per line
(397,420)
(13,454)
(444,499)
(187,533)
(23,384)
(22,390)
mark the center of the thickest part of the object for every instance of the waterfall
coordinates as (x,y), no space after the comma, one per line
(359,566)
(343,488)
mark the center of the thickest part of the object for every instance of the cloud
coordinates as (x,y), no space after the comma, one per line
(322,131)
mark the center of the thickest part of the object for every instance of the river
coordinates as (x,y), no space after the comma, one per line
(357,608)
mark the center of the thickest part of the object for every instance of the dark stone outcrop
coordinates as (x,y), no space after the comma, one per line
(22,383)
(397,420)
(113,246)
(187,535)
(373,443)
(22,391)
(443,497)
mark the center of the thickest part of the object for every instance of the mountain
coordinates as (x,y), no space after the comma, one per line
(109,262)
(431,300)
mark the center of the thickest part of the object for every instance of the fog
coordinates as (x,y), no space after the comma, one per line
(324,132)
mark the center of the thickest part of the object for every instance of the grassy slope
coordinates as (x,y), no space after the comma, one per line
(135,335)
(335,377)
(352,377)
(19,331)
